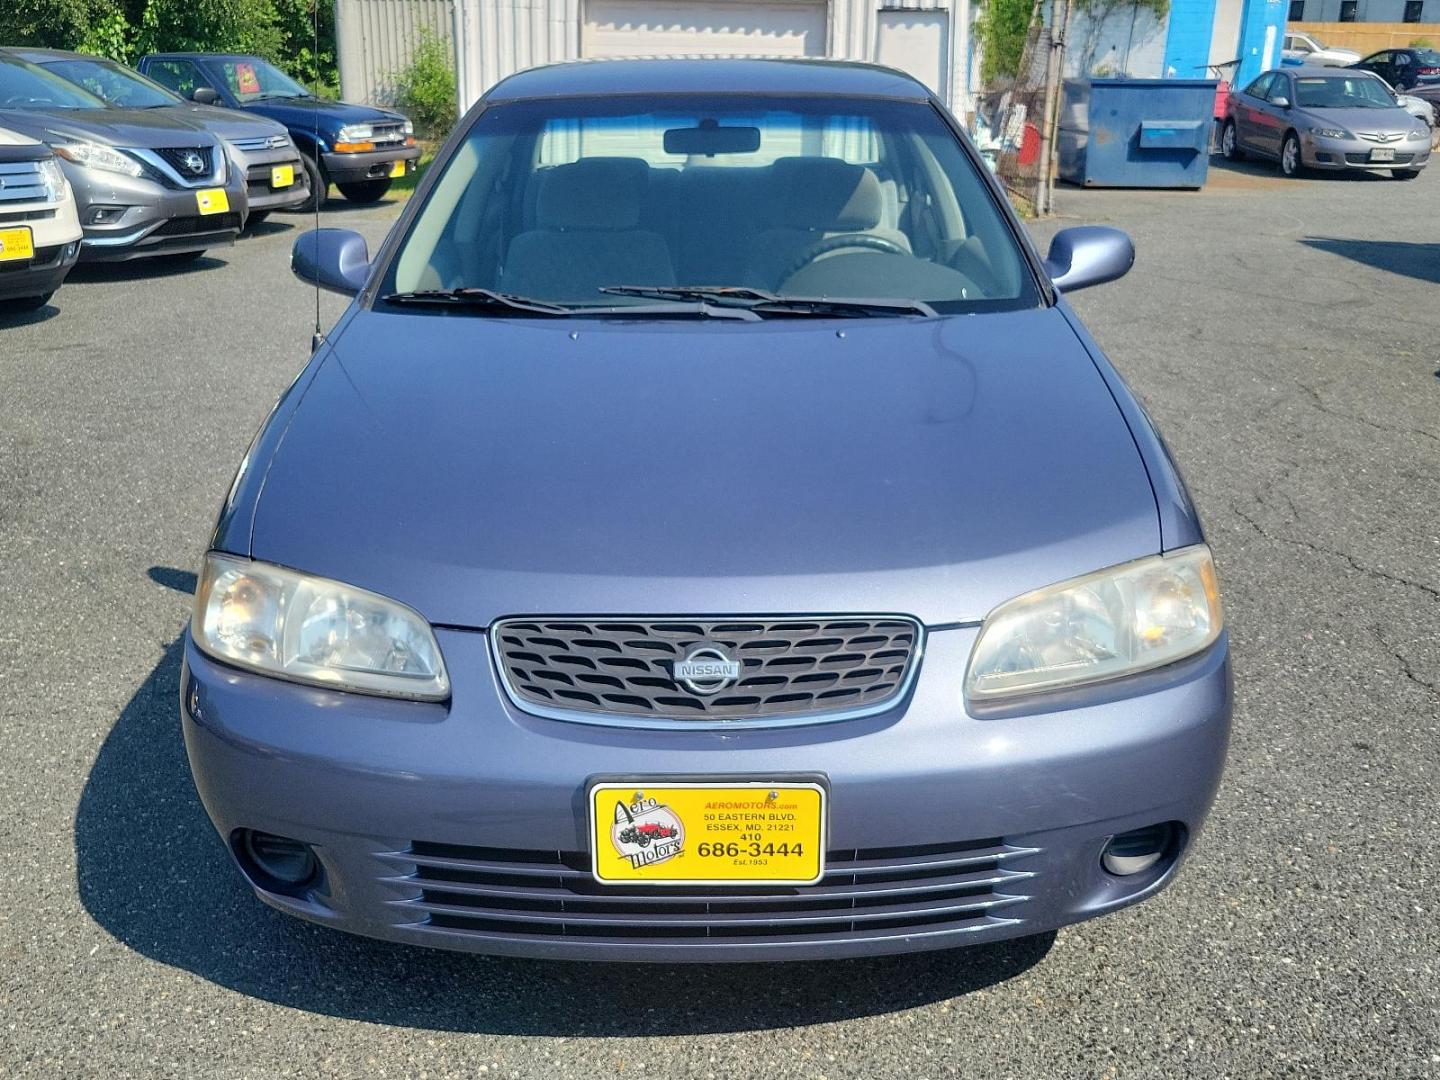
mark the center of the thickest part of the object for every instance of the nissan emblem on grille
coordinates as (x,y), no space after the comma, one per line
(193,162)
(706,670)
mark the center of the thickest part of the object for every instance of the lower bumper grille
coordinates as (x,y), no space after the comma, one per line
(1364,159)
(188,226)
(515,892)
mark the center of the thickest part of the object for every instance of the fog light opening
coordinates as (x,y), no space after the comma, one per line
(277,863)
(1138,850)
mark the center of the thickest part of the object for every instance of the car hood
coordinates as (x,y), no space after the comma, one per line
(142,128)
(227,123)
(475,468)
(1357,120)
(330,115)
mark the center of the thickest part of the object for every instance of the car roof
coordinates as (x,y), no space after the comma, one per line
(35,56)
(708,75)
(1313,70)
(202,56)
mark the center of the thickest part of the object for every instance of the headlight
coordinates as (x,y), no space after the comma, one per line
(53,177)
(1102,626)
(355,133)
(1331,133)
(1420,133)
(409,127)
(94,156)
(284,623)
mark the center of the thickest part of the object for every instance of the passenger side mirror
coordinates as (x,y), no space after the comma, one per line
(334,259)
(1280,102)
(1088,255)
(203,95)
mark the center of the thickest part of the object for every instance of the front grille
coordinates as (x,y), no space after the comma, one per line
(514,892)
(387,134)
(21,181)
(263,142)
(176,157)
(789,668)
(188,226)
(1364,159)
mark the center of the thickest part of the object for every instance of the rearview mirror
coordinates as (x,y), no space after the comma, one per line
(709,139)
(203,95)
(1088,255)
(1281,102)
(334,259)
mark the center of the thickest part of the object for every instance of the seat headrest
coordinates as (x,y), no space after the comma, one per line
(592,193)
(827,195)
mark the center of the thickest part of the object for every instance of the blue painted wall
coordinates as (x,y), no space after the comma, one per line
(1187,44)
(1262,29)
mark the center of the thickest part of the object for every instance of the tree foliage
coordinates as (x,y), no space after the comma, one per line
(425,88)
(1001,28)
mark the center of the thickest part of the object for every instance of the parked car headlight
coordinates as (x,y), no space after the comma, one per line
(1331,133)
(355,133)
(312,630)
(57,189)
(1117,622)
(1420,133)
(409,127)
(95,156)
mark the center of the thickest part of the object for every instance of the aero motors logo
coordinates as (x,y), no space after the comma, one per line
(646,832)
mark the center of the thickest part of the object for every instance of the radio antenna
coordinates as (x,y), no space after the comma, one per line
(317,338)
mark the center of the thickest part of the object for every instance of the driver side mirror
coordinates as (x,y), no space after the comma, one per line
(1280,102)
(203,95)
(1088,255)
(334,259)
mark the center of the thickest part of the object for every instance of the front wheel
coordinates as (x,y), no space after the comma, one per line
(1290,162)
(365,191)
(319,186)
(1404,174)
(1230,143)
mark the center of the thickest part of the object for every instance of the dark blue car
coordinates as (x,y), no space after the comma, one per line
(358,148)
(707,449)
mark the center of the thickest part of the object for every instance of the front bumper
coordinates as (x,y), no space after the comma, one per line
(462,824)
(1339,154)
(151,219)
(373,165)
(260,191)
(41,275)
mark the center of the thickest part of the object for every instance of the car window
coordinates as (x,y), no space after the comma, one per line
(117,85)
(1427,57)
(1380,58)
(1402,59)
(252,79)
(180,76)
(1342,92)
(1279,87)
(1259,87)
(805,196)
(28,86)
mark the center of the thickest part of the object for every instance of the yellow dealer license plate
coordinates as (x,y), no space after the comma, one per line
(282,176)
(212,201)
(397,170)
(16,244)
(672,833)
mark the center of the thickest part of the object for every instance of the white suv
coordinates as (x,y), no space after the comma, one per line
(1306,49)
(39,228)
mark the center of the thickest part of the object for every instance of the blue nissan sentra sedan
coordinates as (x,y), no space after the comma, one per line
(708,535)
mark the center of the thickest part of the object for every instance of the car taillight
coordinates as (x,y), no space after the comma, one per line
(1430,71)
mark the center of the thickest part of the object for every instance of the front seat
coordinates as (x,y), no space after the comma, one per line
(587,234)
(815,198)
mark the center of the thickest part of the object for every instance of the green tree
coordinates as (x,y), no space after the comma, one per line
(250,26)
(425,88)
(1001,28)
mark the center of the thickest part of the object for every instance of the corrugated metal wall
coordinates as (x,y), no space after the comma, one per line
(374,39)
(506,36)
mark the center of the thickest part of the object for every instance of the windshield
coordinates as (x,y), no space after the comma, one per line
(25,86)
(1342,92)
(1427,57)
(560,199)
(251,79)
(117,85)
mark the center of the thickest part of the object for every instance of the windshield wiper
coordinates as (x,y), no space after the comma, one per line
(477,298)
(767,303)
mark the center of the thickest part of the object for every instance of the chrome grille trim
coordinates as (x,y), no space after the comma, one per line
(970,885)
(629,686)
(22,181)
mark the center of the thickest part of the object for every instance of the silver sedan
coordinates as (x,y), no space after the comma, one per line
(1324,118)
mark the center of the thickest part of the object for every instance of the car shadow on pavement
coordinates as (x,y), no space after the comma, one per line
(9,319)
(152,872)
(1269,170)
(146,268)
(1419,261)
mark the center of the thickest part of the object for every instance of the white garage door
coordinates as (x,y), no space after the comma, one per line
(702,28)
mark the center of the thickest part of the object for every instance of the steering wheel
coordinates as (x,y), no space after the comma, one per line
(858,241)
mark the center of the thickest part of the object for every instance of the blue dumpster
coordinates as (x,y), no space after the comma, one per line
(1151,133)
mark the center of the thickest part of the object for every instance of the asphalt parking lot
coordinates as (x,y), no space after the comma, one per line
(1281,333)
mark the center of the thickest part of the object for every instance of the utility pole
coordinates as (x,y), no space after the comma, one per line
(1054,79)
